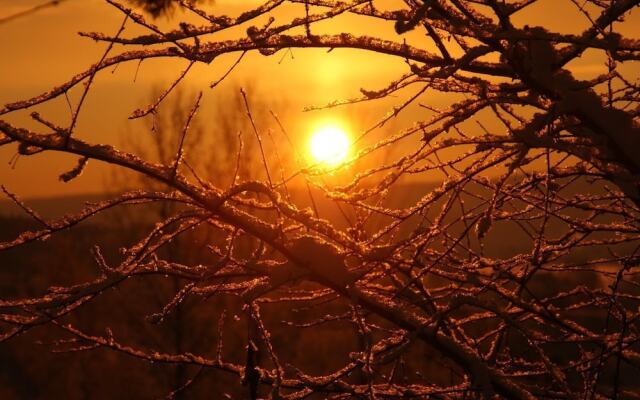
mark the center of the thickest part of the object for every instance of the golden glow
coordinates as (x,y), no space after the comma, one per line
(329,145)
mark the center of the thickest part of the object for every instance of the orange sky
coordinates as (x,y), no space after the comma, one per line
(42,50)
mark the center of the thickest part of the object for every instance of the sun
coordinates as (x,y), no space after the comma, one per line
(329,145)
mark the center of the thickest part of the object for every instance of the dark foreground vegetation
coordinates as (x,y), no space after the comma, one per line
(316,338)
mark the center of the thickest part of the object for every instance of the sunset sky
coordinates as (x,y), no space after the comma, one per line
(42,50)
(267,212)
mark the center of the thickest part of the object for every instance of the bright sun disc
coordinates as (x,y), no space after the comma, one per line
(329,145)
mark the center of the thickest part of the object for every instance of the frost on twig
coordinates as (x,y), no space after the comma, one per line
(513,274)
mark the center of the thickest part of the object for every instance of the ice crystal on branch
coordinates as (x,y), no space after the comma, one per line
(514,275)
